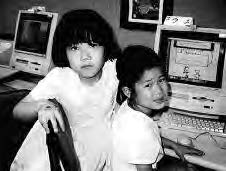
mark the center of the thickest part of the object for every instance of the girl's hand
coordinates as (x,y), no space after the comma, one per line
(48,111)
(181,150)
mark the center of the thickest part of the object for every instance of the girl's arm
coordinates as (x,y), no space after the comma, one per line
(28,110)
(144,167)
(180,149)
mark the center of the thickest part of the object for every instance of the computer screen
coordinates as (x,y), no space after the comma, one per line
(33,41)
(33,35)
(195,67)
(195,62)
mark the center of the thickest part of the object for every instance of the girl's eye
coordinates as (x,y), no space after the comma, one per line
(92,44)
(73,47)
(162,80)
(149,85)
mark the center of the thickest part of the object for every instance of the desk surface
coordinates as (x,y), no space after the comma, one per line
(4,88)
(19,80)
(214,158)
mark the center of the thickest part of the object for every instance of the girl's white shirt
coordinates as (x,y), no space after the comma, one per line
(83,104)
(88,108)
(136,140)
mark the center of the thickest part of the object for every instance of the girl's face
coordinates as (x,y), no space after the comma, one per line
(87,60)
(151,91)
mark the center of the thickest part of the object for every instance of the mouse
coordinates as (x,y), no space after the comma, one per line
(185,140)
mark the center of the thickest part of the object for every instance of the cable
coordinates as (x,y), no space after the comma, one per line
(212,138)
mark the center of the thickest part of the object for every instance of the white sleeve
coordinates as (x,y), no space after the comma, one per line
(33,153)
(46,88)
(138,142)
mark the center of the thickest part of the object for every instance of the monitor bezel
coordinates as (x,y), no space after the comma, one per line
(30,62)
(164,51)
(36,17)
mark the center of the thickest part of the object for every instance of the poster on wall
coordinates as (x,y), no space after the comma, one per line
(140,13)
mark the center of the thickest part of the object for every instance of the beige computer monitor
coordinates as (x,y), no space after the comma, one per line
(33,42)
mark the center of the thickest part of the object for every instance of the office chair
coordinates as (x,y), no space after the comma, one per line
(61,147)
(13,132)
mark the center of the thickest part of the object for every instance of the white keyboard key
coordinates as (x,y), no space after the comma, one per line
(183,121)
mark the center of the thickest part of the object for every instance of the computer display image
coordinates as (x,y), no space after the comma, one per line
(195,67)
(33,41)
(33,35)
(195,62)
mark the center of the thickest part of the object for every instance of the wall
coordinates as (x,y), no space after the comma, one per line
(207,13)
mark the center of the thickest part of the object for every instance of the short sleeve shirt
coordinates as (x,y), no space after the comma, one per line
(136,140)
(88,109)
(83,104)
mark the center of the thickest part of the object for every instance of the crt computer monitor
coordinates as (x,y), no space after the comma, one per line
(195,67)
(33,41)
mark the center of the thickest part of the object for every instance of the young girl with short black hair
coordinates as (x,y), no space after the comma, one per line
(143,93)
(84,82)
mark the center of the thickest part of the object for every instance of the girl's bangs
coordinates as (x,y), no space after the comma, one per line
(83,36)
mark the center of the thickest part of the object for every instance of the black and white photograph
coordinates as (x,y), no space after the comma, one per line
(112,85)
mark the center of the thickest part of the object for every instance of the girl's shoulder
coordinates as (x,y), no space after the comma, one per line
(109,73)
(110,67)
(58,76)
(61,73)
(133,118)
(57,81)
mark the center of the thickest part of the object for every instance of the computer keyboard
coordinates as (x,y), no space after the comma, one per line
(183,121)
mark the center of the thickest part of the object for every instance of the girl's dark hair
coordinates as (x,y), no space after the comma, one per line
(135,59)
(83,26)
